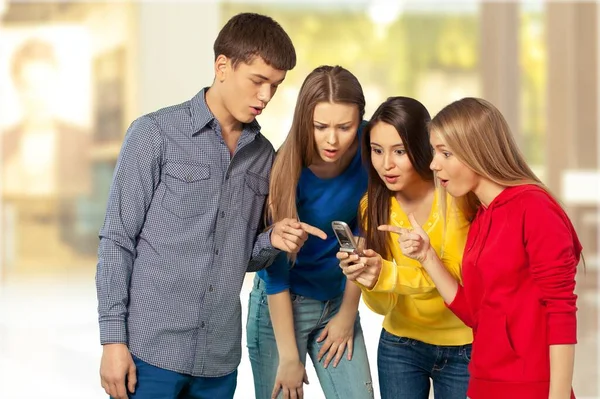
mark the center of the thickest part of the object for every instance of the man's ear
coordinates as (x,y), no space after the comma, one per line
(222,65)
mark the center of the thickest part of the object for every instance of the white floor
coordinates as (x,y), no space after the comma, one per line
(49,343)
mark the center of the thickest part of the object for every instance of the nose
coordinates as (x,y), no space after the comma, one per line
(332,138)
(387,162)
(434,165)
(265,93)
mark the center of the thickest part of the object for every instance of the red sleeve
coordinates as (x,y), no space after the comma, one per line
(553,251)
(460,307)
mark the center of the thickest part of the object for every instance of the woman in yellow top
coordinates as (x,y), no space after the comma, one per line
(421,338)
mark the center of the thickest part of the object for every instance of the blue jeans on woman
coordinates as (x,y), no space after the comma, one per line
(351,379)
(405,366)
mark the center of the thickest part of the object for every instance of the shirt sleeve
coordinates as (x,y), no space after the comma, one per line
(553,253)
(379,302)
(403,279)
(135,179)
(263,252)
(460,307)
(455,238)
(277,276)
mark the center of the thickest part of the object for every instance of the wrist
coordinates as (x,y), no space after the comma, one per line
(290,357)
(430,255)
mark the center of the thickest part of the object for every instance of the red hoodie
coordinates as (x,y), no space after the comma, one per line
(518,279)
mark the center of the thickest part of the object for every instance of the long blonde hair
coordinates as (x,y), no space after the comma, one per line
(325,84)
(480,138)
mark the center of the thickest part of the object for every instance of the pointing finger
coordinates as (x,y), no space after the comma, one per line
(313,230)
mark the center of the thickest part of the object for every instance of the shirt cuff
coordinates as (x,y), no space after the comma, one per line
(562,329)
(113,332)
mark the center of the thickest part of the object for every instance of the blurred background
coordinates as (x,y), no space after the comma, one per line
(74,74)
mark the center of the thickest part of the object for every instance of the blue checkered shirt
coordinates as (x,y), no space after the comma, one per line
(182,227)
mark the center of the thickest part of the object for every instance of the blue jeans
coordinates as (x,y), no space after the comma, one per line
(157,383)
(349,380)
(405,366)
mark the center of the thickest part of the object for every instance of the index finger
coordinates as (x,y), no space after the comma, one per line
(313,230)
(392,229)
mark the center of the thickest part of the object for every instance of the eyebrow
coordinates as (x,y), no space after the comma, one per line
(339,124)
(440,146)
(395,145)
(258,75)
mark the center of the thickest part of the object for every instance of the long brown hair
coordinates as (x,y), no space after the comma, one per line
(332,84)
(410,119)
(480,137)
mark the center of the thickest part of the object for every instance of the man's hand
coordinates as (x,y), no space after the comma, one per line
(289,235)
(117,366)
(363,269)
(291,375)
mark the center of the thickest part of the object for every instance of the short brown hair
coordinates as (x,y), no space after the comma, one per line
(248,35)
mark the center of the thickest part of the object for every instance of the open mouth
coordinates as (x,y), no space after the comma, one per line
(330,153)
(256,110)
(443,182)
(391,179)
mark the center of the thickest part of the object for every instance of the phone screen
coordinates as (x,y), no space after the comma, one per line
(344,236)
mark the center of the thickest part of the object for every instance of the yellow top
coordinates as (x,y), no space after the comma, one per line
(404,292)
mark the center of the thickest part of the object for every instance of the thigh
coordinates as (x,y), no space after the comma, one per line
(452,379)
(262,347)
(156,383)
(404,366)
(211,387)
(351,378)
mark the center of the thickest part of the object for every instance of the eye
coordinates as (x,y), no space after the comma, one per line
(256,82)
(345,128)
(400,152)
(376,150)
(446,154)
(320,127)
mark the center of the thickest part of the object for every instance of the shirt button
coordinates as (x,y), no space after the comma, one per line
(210,288)
(222,214)
(202,325)
(216,251)
(227,176)
(188,178)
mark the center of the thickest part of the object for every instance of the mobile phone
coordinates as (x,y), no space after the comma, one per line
(344,236)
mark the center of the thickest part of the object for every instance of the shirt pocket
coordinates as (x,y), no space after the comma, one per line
(256,188)
(187,188)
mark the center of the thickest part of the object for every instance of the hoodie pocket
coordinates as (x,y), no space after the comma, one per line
(494,356)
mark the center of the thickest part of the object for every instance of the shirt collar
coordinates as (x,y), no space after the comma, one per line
(202,116)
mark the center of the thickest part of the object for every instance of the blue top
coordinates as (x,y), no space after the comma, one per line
(316,273)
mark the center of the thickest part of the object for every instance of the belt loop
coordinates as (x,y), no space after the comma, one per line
(257,282)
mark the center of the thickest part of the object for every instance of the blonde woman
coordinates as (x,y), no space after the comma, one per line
(519,264)
(303,305)
(421,340)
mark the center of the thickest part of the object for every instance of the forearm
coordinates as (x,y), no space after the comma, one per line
(282,318)
(445,283)
(113,275)
(351,300)
(562,358)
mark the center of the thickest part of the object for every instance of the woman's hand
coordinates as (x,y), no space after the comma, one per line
(413,243)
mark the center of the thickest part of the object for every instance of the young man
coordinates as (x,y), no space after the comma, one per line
(183,226)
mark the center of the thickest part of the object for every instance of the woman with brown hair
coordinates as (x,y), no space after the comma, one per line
(519,264)
(301,304)
(422,343)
